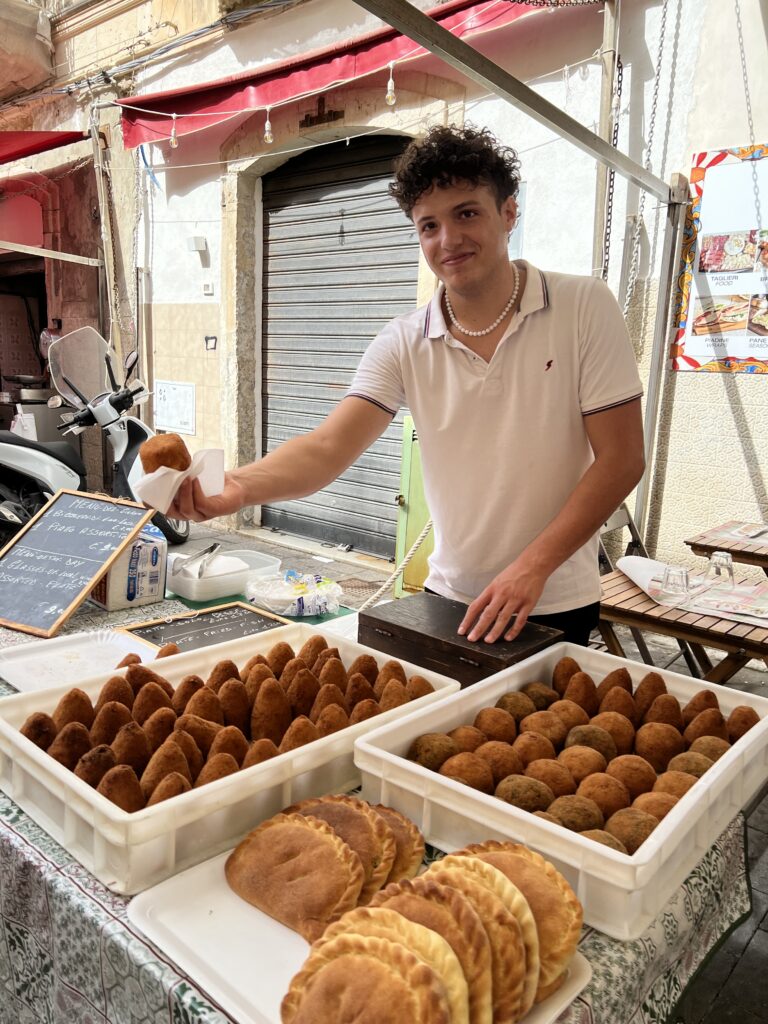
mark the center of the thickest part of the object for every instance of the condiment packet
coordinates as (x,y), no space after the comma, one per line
(157,489)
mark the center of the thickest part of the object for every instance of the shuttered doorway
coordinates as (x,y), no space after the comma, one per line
(340,260)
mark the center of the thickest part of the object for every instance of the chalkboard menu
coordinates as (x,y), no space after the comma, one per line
(51,566)
(207,626)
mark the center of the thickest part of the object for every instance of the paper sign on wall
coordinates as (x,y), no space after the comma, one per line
(175,406)
(722,310)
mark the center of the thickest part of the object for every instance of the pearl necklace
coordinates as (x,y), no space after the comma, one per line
(499,318)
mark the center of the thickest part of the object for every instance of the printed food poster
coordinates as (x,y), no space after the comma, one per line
(722,305)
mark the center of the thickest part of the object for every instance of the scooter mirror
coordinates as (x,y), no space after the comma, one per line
(55,402)
(130,361)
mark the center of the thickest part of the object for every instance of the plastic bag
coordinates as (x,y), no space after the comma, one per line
(295,594)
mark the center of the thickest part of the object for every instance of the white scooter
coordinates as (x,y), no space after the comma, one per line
(31,472)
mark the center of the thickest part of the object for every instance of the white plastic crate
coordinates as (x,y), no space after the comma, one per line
(130,852)
(621,895)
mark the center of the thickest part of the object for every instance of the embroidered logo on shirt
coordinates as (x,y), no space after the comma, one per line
(549,363)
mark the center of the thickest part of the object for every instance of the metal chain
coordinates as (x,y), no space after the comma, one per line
(748,101)
(611,183)
(634,263)
(35,190)
(128,328)
(556,3)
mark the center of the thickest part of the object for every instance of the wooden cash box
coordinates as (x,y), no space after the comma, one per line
(421,628)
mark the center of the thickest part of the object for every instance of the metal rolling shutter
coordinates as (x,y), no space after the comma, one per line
(340,260)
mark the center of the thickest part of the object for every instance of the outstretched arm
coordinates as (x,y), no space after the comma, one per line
(616,437)
(301,466)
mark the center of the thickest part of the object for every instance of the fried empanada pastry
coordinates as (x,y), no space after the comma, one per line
(446,911)
(409,843)
(362,829)
(380,982)
(555,908)
(297,870)
(509,967)
(430,947)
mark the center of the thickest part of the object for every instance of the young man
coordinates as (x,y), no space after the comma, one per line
(524,392)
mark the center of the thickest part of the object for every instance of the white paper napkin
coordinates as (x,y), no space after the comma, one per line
(157,489)
(641,571)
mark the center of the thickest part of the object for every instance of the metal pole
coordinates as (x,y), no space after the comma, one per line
(438,40)
(670,263)
(608,55)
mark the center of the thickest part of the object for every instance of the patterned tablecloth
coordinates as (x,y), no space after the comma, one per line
(69,955)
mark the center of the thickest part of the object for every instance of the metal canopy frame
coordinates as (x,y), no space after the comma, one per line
(51,254)
(409,20)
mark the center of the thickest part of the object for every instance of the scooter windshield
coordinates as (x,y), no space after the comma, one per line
(80,359)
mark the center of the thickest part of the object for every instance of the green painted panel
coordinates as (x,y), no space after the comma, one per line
(412,516)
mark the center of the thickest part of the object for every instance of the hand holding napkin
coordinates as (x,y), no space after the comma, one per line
(157,489)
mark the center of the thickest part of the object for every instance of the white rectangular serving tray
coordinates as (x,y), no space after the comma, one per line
(42,664)
(129,852)
(244,959)
(621,895)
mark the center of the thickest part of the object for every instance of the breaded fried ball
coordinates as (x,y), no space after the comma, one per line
(620,678)
(562,672)
(502,758)
(592,736)
(657,804)
(578,813)
(710,746)
(690,762)
(496,724)
(582,761)
(581,690)
(701,701)
(741,720)
(707,723)
(599,835)
(619,727)
(548,724)
(530,746)
(552,774)
(570,713)
(432,749)
(676,783)
(541,695)
(467,738)
(517,703)
(471,770)
(649,688)
(631,827)
(635,772)
(658,743)
(665,708)
(527,794)
(165,450)
(608,792)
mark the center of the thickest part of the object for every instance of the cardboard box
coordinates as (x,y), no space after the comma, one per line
(137,577)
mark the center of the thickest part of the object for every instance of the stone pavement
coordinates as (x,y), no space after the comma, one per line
(732,987)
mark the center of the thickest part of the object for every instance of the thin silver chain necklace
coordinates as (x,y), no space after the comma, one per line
(499,318)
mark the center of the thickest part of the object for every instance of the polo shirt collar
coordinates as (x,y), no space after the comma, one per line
(535,297)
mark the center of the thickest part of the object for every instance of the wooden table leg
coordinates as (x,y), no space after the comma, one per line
(728,667)
(610,639)
(705,662)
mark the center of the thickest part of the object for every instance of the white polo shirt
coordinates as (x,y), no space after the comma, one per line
(503,444)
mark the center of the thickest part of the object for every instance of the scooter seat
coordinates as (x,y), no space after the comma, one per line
(59,449)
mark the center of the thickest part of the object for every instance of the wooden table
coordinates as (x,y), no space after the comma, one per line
(625,603)
(750,552)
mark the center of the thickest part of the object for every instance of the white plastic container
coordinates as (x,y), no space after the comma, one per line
(228,584)
(621,895)
(129,852)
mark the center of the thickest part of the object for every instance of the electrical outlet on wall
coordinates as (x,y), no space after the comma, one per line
(207,287)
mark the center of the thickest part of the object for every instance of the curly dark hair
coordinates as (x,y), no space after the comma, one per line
(449,154)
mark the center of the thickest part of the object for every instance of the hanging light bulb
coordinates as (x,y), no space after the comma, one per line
(174,142)
(390,99)
(269,138)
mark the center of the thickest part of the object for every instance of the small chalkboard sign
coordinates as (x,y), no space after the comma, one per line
(51,566)
(207,626)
